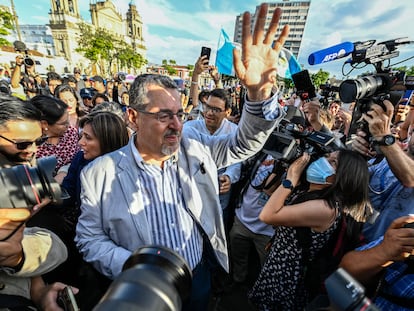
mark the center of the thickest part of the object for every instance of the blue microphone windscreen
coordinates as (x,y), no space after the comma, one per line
(334,52)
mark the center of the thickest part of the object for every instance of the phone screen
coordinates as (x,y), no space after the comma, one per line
(205,51)
(304,85)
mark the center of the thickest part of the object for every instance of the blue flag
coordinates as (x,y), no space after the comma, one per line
(287,64)
(224,57)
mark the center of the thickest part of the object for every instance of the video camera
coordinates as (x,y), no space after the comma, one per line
(153,278)
(20,47)
(367,90)
(290,140)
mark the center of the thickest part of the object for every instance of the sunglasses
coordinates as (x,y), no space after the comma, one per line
(25,144)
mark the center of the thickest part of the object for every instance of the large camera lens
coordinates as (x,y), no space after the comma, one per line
(121,76)
(24,186)
(28,61)
(154,278)
(351,90)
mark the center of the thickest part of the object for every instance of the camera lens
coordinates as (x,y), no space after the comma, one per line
(154,278)
(28,61)
(25,186)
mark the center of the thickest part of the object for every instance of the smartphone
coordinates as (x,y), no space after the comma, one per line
(303,84)
(409,225)
(408,94)
(66,300)
(205,51)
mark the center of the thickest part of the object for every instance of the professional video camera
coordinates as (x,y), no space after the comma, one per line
(20,47)
(370,89)
(290,140)
(153,278)
(25,186)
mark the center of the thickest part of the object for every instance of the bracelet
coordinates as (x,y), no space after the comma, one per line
(194,82)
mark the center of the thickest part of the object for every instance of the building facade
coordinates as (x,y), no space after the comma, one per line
(64,19)
(295,14)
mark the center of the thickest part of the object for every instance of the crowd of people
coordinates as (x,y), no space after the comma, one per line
(140,164)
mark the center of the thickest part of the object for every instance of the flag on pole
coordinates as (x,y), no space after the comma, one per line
(224,57)
(287,64)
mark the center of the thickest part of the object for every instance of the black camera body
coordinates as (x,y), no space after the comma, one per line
(289,141)
(20,47)
(120,77)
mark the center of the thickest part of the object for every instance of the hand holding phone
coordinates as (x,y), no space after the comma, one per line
(66,300)
(406,99)
(205,51)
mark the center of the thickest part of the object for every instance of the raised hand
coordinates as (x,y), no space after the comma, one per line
(256,66)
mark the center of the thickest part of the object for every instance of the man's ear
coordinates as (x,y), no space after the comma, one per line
(228,112)
(132,116)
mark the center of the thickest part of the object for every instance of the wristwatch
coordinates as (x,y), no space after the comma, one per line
(286,183)
(386,140)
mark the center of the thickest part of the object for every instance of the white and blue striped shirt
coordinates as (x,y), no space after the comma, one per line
(170,222)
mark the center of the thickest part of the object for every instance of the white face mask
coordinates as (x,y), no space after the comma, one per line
(318,171)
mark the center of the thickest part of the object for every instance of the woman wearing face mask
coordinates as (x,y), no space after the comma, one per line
(338,187)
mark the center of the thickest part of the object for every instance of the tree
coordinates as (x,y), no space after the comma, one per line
(103,48)
(6,24)
(169,66)
(321,77)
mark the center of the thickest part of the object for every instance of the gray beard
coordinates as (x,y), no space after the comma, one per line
(168,150)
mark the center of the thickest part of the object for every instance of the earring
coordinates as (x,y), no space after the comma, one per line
(46,128)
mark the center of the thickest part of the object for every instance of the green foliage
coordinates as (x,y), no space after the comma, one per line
(169,66)
(6,24)
(102,47)
(409,71)
(321,77)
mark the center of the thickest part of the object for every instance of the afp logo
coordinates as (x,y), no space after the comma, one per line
(333,56)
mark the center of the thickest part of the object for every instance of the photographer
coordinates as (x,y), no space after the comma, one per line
(25,84)
(385,267)
(31,252)
(392,174)
(335,193)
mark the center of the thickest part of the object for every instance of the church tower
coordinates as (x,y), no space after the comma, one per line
(134,29)
(64,18)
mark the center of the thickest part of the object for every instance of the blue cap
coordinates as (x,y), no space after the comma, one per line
(87,92)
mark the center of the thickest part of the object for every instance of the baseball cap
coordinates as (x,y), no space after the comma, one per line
(97,79)
(86,93)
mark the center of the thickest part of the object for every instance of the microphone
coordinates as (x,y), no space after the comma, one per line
(332,53)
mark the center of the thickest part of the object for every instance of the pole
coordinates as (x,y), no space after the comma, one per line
(16,20)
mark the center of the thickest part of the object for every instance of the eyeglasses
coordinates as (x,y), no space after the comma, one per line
(25,144)
(214,110)
(165,116)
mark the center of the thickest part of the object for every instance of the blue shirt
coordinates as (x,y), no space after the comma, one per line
(389,199)
(396,283)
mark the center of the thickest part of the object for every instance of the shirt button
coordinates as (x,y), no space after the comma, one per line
(2,286)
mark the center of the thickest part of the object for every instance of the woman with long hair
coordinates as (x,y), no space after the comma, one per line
(337,188)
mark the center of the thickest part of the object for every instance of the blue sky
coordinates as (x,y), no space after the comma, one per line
(176,29)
